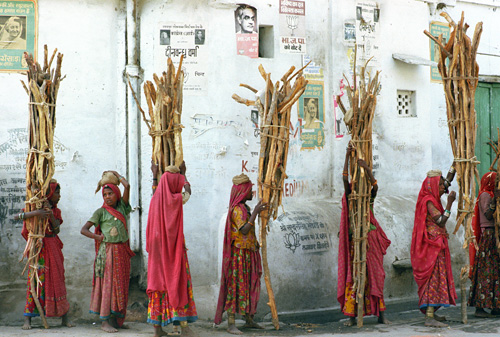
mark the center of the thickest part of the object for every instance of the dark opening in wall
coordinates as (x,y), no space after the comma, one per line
(266,41)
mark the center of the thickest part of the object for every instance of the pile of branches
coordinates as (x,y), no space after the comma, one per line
(460,79)
(42,89)
(359,119)
(165,109)
(275,106)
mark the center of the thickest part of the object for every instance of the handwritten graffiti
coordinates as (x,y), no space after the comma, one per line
(295,188)
(202,123)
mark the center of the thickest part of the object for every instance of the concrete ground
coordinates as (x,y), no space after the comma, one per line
(406,322)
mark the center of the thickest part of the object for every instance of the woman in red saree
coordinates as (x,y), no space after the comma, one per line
(170,289)
(376,249)
(109,297)
(430,255)
(485,274)
(50,261)
(241,264)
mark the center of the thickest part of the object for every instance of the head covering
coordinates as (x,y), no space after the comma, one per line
(52,188)
(165,241)
(172,169)
(487,186)
(241,187)
(424,250)
(434,173)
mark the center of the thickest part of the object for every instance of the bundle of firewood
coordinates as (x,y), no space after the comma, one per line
(274,105)
(460,78)
(42,89)
(165,108)
(359,118)
(496,148)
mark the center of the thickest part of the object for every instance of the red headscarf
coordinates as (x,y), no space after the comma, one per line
(487,186)
(165,241)
(424,251)
(238,194)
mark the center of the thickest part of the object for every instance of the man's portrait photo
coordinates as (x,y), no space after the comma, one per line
(199,36)
(245,20)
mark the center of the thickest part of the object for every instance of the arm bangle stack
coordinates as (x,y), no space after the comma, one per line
(447,213)
(21,216)
(374,183)
(154,187)
(250,223)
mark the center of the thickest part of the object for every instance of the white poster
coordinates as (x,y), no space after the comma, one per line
(176,39)
(367,26)
(292,27)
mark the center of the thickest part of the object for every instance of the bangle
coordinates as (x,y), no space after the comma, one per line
(155,179)
(251,223)
(493,207)
(21,216)
(452,170)
(187,183)
(345,174)
(447,213)
(374,183)
(154,187)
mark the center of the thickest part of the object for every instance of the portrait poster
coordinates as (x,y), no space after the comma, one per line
(367,27)
(292,27)
(188,39)
(311,111)
(18,33)
(437,28)
(247,31)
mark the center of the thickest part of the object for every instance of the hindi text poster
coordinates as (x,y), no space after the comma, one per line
(292,27)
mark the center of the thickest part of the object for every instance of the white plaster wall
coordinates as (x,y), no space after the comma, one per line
(91,124)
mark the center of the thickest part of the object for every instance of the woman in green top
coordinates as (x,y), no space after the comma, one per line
(112,263)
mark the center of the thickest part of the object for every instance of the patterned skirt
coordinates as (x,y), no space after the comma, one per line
(161,313)
(485,287)
(437,293)
(110,291)
(52,290)
(243,286)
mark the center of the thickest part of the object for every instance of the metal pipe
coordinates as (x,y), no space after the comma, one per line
(133,72)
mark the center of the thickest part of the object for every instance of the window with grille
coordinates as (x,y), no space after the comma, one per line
(406,103)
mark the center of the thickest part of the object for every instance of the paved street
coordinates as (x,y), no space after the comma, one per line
(406,323)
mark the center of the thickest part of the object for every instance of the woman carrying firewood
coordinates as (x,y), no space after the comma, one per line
(50,261)
(112,262)
(485,274)
(170,289)
(241,264)
(430,255)
(376,249)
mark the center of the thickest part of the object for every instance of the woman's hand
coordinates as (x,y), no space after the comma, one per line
(260,207)
(99,237)
(154,169)
(182,168)
(42,213)
(116,174)
(451,197)
(363,164)
(350,149)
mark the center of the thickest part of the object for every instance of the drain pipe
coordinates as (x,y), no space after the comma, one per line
(133,72)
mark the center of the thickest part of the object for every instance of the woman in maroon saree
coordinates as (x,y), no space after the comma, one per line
(430,255)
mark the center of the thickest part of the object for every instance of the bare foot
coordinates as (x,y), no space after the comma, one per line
(439,318)
(107,327)
(27,323)
(382,319)
(483,314)
(251,324)
(433,323)
(159,331)
(187,332)
(232,329)
(65,322)
(350,322)
(495,312)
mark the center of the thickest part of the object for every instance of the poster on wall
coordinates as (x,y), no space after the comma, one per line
(311,111)
(188,39)
(247,31)
(18,33)
(292,27)
(313,71)
(437,28)
(367,27)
